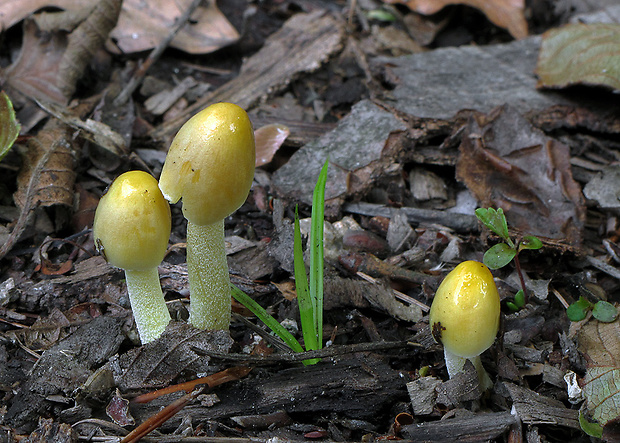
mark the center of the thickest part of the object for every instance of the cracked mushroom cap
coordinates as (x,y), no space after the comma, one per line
(210,164)
(464,316)
(132,222)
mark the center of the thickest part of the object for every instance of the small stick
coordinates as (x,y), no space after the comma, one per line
(230,374)
(138,76)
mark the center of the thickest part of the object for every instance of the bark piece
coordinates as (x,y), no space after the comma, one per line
(302,45)
(533,408)
(64,367)
(440,83)
(479,427)
(356,151)
(361,388)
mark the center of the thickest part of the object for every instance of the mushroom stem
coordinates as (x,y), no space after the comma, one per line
(147,303)
(455,363)
(209,281)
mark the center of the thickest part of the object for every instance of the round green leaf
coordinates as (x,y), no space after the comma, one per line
(520,298)
(530,242)
(604,311)
(591,428)
(512,306)
(577,311)
(498,256)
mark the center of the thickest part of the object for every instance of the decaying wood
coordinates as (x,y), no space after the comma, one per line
(479,427)
(533,408)
(302,45)
(361,387)
(458,222)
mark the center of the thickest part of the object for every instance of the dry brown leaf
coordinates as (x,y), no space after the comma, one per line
(142,25)
(14,11)
(508,163)
(269,138)
(580,54)
(600,344)
(85,41)
(35,72)
(506,14)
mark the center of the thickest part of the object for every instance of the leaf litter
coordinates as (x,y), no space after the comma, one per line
(67,341)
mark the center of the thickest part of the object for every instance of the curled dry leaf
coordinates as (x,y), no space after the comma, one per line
(507,14)
(600,343)
(507,163)
(269,138)
(142,25)
(580,54)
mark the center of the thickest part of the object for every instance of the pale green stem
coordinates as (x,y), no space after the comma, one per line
(455,363)
(147,303)
(209,283)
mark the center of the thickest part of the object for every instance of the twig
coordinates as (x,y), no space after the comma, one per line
(331,351)
(138,76)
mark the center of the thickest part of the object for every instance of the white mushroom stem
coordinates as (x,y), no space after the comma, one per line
(455,363)
(147,303)
(209,282)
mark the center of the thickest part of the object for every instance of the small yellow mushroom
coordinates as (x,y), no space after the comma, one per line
(464,317)
(131,230)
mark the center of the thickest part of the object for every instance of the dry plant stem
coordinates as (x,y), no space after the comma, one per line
(209,282)
(455,363)
(147,303)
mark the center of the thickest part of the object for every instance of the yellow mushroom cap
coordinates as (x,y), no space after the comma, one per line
(132,222)
(464,315)
(210,164)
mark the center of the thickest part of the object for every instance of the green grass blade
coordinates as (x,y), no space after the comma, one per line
(316,251)
(306,306)
(264,316)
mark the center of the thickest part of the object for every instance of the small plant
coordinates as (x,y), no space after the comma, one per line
(503,253)
(309,291)
(601,310)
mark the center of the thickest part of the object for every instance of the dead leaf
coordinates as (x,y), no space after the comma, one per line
(85,41)
(142,25)
(600,343)
(15,11)
(268,140)
(507,163)
(508,14)
(35,72)
(580,54)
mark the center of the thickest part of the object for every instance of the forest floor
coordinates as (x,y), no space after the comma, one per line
(423,119)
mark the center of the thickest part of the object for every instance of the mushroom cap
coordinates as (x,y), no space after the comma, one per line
(210,164)
(464,315)
(132,222)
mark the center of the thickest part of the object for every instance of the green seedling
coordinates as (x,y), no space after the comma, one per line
(601,310)
(503,253)
(309,290)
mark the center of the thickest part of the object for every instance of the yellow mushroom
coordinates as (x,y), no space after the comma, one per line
(210,167)
(131,230)
(464,317)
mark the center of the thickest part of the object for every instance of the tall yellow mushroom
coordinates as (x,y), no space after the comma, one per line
(210,167)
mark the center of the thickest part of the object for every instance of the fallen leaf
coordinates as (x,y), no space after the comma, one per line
(15,11)
(269,138)
(507,14)
(507,163)
(600,344)
(580,54)
(9,128)
(143,25)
